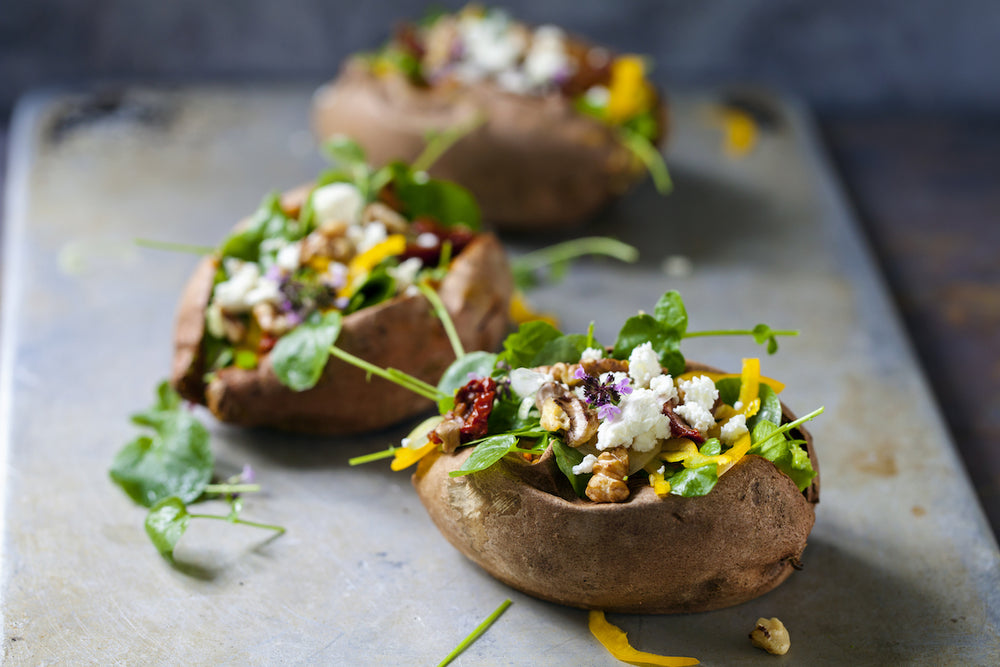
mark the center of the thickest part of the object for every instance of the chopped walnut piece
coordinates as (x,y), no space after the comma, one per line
(554,418)
(329,241)
(607,365)
(379,212)
(233,327)
(770,634)
(271,321)
(608,485)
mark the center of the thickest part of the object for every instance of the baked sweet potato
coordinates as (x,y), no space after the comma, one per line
(522,523)
(550,150)
(401,332)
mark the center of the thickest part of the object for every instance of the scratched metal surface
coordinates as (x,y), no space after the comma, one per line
(901,567)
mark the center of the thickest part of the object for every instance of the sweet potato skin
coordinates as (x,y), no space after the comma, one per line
(522,523)
(535,163)
(401,333)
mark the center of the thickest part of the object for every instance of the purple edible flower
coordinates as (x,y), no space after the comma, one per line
(580,374)
(247,476)
(608,412)
(273,272)
(624,387)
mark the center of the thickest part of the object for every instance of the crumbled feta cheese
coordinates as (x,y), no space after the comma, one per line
(368,236)
(738,405)
(490,43)
(265,290)
(213,321)
(406,273)
(663,387)
(734,429)
(699,398)
(514,81)
(335,275)
(245,288)
(427,240)
(644,365)
(337,202)
(640,425)
(586,465)
(597,96)
(592,354)
(547,57)
(288,256)
(525,382)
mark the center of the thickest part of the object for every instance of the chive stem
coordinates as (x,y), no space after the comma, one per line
(187,248)
(737,332)
(374,456)
(567,250)
(416,385)
(651,158)
(231,488)
(439,142)
(474,635)
(445,317)
(278,529)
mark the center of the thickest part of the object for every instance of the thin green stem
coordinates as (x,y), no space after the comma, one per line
(445,317)
(187,248)
(737,332)
(651,158)
(439,143)
(563,252)
(375,456)
(267,526)
(416,385)
(231,488)
(474,635)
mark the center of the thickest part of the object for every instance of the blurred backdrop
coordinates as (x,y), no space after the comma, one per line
(844,56)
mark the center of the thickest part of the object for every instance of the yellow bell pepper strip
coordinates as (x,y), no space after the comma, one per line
(661,486)
(729,458)
(521,311)
(629,93)
(687,454)
(404,457)
(362,264)
(749,381)
(740,133)
(616,641)
(778,387)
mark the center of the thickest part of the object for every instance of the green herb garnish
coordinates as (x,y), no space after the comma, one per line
(474,635)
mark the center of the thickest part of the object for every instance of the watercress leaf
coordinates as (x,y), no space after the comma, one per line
(639,329)
(167,397)
(763,333)
(691,482)
(175,460)
(772,444)
(166,523)
(770,407)
(520,348)
(477,363)
(671,313)
(711,447)
(344,151)
(729,390)
(377,287)
(566,349)
(268,221)
(446,202)
(566,458)
(505,417)
(300,356)
(486,453)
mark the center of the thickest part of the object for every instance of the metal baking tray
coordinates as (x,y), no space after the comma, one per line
(901,567)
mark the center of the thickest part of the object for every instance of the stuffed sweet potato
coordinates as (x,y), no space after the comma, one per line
(340,261)
(622,479)
(566,126)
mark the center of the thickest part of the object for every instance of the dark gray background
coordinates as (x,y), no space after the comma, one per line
(845,56)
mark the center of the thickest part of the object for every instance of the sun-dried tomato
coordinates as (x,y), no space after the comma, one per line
(267,342)
(473,403)
(678,428)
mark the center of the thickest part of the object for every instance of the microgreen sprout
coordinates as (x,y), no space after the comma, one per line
(438,143)
(557,257)
(474,635)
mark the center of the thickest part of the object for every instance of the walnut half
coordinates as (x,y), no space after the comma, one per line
(770,634)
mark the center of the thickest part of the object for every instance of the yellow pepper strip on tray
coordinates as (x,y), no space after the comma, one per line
(616,641)
(740,132)
(778,387)
(629,92)
(369,259)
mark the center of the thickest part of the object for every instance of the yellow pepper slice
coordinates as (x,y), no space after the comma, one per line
(661,486)
(404,457)
(734,454)
(778,387)
(616,641)
(628,93)
(740,132)
(749,381)
(366,261)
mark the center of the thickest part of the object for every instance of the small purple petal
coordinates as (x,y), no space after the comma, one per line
(580,374)
(623,387)
(294,318)
(473,376)
(273,272)
(247,476)
(608,412)
(341,302)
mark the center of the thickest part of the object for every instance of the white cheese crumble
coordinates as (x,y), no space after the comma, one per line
(641,423)
(427,240)
(734,429)
(547,57)
(406,273)
(592,354)
(288,256)
(368,236)
(245,288)
(644,365)
(586,465)
(490,44)
(335,275)
(337,202)
(597,96)
(525,382)
(699,398)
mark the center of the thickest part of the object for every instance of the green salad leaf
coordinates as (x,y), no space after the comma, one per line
(770,442)
(691,482)
(175,460)
(521,347)
(448,203)
(478,363)
(566,458)
(299,357)
(166,523)
(486,453)
(770,407)
(268,222)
